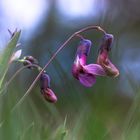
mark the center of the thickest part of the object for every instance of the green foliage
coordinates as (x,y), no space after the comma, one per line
(6,55)
(61,132)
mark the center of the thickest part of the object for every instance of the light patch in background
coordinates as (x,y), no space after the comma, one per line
(24,14)
(80,8)
(129,75)
(129,63)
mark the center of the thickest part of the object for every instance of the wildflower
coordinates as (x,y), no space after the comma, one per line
(45,88)
(103,58)
(86,74)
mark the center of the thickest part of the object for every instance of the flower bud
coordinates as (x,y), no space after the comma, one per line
(44,81)
(49,95)
(45,88)
(30,59)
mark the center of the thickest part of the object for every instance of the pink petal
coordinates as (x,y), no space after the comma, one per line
(94,69)
(83,60)
(87,79)
(49,95)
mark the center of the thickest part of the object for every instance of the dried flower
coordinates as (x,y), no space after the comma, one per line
(86,74)
(45,88)
(103,58)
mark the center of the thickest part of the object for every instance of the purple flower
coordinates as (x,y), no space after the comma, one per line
(45,88)
(103,58)
(86,74)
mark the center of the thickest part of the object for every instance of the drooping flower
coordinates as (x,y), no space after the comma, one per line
(103,57)
(86,74)
(45,88)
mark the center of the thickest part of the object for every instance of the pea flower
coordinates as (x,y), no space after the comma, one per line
(45,88)
(103,57)
(86,74)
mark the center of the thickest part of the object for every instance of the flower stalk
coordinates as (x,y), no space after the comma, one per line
(89,69)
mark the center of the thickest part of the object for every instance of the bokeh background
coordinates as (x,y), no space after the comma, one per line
(107,111)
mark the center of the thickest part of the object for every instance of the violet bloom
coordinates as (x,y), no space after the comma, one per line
(103,58)
(45,88)
(86,74)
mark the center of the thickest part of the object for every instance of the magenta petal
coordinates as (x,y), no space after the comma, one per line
(94,69)
(87,79)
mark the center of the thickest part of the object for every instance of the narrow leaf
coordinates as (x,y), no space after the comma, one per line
(6,55)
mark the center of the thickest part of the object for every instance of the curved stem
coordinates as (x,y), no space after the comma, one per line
(17,72)
(91,28)
(54,55)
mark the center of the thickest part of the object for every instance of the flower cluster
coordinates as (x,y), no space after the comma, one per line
(85,73)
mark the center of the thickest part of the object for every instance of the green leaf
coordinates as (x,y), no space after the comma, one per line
(6,55)
(61,132)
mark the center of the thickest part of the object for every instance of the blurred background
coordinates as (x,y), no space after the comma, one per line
(107,111)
